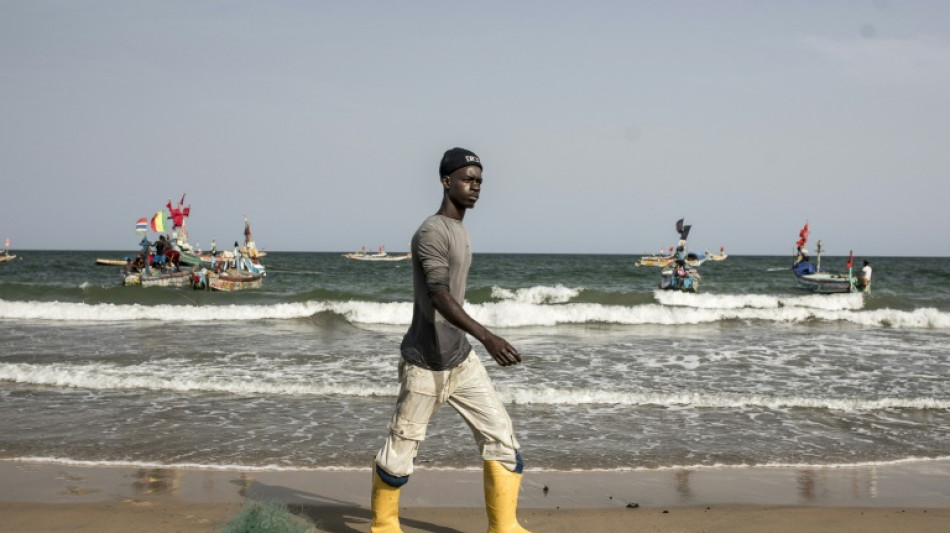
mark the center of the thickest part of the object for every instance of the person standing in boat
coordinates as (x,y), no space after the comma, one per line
(439,366)
(161,246)
(802,264)
(237,255)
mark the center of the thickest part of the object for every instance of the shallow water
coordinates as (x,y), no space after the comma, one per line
(617,374)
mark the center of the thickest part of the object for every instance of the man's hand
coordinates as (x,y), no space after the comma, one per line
(503,353)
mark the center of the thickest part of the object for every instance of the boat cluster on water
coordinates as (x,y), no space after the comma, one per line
(680,267)
(171,261)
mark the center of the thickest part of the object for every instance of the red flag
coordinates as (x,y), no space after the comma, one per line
(803,233)
(850,259)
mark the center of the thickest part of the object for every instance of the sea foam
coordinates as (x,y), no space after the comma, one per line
(526,308)
(113,377)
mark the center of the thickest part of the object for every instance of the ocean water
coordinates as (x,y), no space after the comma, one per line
(617,374)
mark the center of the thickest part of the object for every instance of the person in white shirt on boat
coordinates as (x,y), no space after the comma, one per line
(864,278)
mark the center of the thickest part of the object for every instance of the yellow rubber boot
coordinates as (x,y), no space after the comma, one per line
(501,498)
(385,504)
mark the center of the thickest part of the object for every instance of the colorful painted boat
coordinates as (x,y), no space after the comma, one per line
(671,282)
(231,281)
(812,278)
(155,278)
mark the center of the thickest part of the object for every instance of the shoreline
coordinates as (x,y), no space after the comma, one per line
(39,497)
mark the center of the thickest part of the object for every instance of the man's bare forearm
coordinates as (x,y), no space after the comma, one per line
(498,348)
(449,308)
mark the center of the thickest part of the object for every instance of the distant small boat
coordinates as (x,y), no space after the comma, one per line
(111,262)
(5,254)
(676,252)
(655,261)
(379,256)
(692,260)
(721,256)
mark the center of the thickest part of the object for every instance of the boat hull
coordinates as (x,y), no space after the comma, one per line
(669,282)
(667,261)
(377,257)
(655,261)
(169,279)
(110,262)
(234,282)
(825,283)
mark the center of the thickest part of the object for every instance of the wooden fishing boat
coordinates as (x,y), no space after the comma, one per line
(685,283)
(110,262)
(678,252)
(379,256)
(655,261)
(826,282)
(234,281)
(692,260)
(5,254)
(721,256)
(152,277)
(812,278)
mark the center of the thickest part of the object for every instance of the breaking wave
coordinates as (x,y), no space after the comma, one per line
(533,306)
(109,377)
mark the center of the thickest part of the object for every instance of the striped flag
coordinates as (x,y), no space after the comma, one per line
(141,226)
(158,223)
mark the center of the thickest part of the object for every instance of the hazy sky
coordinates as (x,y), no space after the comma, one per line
(599,123)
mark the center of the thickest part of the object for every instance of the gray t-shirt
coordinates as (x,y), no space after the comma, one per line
(441,257)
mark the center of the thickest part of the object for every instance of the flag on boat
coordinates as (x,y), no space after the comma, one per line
(141,226)
(6,243)
(803,234)
(178,214)
(850,259)
(158,223)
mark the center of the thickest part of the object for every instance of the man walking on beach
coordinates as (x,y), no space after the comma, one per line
(439,366)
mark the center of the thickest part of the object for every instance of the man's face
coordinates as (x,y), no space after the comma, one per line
(464,186)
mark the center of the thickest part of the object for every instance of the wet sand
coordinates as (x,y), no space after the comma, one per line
(41,497)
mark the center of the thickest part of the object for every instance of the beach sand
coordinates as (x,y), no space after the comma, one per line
(47,497)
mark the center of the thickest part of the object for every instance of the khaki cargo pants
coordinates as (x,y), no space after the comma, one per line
(468,389)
